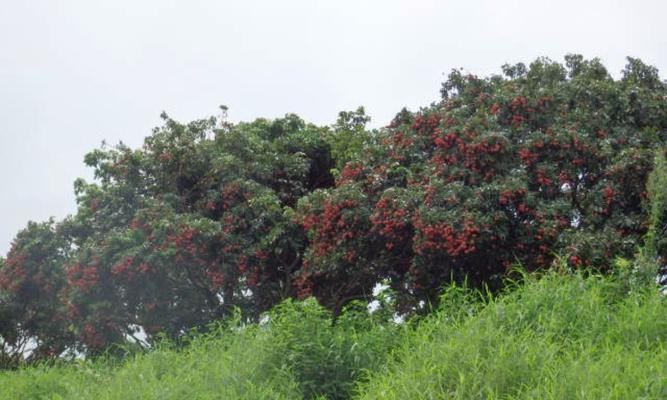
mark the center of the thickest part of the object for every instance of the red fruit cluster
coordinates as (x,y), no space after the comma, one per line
(445,237)
(426,123)
(123,266)
(331,227)
(542,178)
(166,156)
(216,278)
(350,172)
(399,140)
(467,150)
(447,141)
(608,193)
(232,194)
(91,337)
(94,205)
(84,277)
(184,242)
(391,221)
(512,196)
(13,276)
(529,158)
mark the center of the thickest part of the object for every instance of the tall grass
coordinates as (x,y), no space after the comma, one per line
(298,353)
(559,337)
(227,367)
(556,337)
(330,359)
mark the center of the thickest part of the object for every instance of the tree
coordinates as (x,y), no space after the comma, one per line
(548,160)
(349,136)
(209,216)
(34,324)
(176,234)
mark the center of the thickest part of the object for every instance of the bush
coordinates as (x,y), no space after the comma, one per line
(329,357)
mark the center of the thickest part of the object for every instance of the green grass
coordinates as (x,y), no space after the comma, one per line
(558,337)
(561,337)
(231,367)
(301,354)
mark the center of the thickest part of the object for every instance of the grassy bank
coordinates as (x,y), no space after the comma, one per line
(558,337)
(561,337)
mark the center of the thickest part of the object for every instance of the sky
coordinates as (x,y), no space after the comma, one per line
(76,72)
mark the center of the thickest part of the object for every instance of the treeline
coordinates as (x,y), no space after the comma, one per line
(543,161)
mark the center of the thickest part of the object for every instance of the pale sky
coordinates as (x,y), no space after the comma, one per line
(76,72)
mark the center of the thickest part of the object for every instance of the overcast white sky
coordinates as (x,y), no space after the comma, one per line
(75,72)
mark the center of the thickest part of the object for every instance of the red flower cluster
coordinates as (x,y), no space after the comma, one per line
(122,266)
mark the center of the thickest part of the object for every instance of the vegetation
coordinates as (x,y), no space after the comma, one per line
(560,337)
(546,160)
(295,353)
(564,336)
(241,261)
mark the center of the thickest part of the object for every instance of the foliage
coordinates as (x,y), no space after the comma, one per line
(228,367)
(193,224)
(547,160)
(552,337)
(32,321)
(650,262)
(330,358)
(559,337)
(656,235)
(169,237)
(349,136)
(210,216)
(296,353)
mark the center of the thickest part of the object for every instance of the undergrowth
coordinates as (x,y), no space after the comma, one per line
(559,336)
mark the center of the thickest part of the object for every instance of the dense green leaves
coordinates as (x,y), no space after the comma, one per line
(295,353)
(31,280)
(546,160)
(173,235)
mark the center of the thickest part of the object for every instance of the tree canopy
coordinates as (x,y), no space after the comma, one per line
(546,160)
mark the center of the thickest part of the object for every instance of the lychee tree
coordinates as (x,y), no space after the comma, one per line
(34,322)
(545,160)
(198,221)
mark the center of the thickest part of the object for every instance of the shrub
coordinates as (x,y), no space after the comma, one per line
(330,357)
